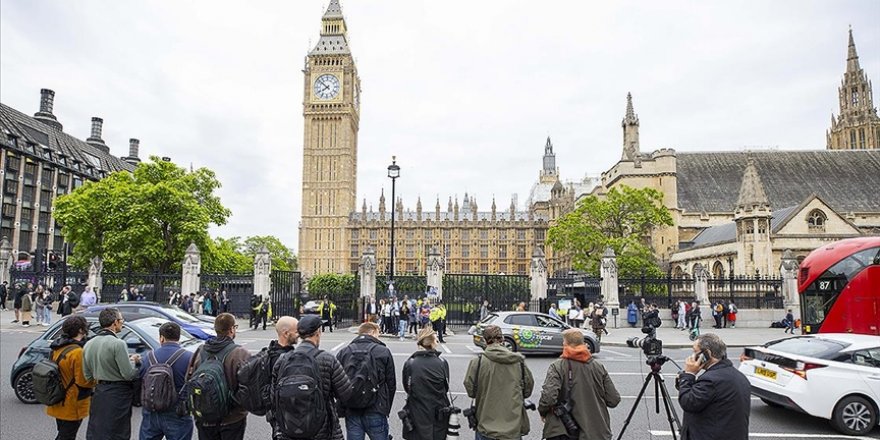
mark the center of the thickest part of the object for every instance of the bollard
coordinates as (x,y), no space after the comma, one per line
(454,424)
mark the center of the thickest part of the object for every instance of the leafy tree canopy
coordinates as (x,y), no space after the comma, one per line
(237,255)
(333,285)
(623,220)
(146,218)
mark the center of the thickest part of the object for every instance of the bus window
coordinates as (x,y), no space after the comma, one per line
(819,298)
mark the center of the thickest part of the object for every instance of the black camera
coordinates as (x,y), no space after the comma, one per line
(471,415)
(650,345)
(529,405)
(564,413)
(443,413)
(406,420)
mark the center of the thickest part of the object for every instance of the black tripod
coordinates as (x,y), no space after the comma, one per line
(656,363)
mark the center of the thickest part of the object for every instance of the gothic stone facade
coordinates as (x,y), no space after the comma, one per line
(38,162)
(858,126)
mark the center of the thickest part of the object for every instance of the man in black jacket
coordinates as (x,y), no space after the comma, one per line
(3,292)
(716,405)
(334,383)
(371,420)
(286,328)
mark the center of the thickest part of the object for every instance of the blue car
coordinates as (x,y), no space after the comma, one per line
(141,334)
(200,328)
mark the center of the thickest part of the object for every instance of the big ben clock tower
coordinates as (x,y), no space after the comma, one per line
(331,114)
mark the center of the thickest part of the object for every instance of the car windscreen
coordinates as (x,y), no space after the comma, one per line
(183,316)
(807,346)
(150,328)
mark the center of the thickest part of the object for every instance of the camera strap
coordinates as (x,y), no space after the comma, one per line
(475,401)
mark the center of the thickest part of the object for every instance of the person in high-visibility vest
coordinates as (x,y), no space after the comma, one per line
(326,310)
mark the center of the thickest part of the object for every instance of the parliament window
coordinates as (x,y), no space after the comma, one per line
(484,268)
(410,251)
(465,234)
(354,251)
(502,251)
(427,234)
(816,220)
(484,251)
(465,267)
(502,267)
(539,235)
(520,252)
(465,251)
(373,234)
(410,234)
(447,234)
(355,234)
(520,234)
(502,234)
(484,234)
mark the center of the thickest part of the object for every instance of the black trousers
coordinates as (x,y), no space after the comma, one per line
(110,412)
(67,429)
(234,431)
(325,322)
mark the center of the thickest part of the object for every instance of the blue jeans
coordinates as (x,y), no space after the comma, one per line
(402,330)
(47,315)
(373,424)
(155,425)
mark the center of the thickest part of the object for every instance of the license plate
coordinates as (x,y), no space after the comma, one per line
(769,374)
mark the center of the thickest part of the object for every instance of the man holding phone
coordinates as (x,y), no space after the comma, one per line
(716,404)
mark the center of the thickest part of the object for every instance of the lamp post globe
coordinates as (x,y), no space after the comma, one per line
(393,174)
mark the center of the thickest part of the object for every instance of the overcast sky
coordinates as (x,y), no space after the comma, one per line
(463,92)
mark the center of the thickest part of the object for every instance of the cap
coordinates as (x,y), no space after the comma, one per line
(309,324)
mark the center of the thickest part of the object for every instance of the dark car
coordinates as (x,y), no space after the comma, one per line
(200,328)
(530,332)
(141,333)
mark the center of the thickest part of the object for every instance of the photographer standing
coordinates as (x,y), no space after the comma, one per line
(716,405)
(499,382)
(426,382)
(577,394)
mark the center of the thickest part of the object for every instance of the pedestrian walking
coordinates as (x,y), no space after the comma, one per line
(413,318)
(26,305)
(303,410)
(599,320)
(717,403)
(369,365)
(789,322)
(224,302)
(403,319)
(682,315)
(632,314)
(579,387)
(426,383)
(67,353)
(731,314)
(4,291)
(216,416)
(499,382)
(159,416)
(484,310)
(16,301)
(88,298)
(106,360)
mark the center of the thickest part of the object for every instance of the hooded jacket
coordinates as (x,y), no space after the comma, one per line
(504,382)
(77,401)
(426,382)
(230,366)
(591,392)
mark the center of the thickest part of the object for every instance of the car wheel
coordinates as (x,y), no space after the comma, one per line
(771,403)
(590,345)
(854,415)
(24,387)
(509,344)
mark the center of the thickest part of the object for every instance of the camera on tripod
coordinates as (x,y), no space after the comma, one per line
(650,345)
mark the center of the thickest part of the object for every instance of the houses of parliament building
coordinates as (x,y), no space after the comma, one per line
(699,188)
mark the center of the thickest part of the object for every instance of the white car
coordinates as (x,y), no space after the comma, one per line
(835,376)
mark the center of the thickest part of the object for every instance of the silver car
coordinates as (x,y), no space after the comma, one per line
(530,332)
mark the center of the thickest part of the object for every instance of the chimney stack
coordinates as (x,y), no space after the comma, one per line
(133,146)
(47,102)
(95,139)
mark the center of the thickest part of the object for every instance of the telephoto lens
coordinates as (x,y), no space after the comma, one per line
(564,414)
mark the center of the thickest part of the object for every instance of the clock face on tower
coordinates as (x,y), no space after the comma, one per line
(326,86)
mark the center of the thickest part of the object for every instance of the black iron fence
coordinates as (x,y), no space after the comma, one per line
(54,278)
(463,294)
(153,286)
(748,292)
(411,285)
(663,290)
(286,292)
(239,288)
(583,289)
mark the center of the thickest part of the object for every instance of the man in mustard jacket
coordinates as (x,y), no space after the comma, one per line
(68,353)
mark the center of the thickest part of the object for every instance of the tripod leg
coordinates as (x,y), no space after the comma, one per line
(671,415)
(657,394)
(635,405)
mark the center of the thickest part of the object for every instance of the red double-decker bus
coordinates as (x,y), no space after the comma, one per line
(839,287)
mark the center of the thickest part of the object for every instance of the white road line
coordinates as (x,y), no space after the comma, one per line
(605,350)
(338,346)
(474,349)
(445,348)
(780,435)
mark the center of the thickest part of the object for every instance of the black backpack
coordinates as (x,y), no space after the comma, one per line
(47,385)
(254,380)
(300,407)
(158,393)
(207,394)
(362,372)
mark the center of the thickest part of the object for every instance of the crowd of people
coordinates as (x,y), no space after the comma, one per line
(35,305)
(201,303)
(305,392)
(407,316)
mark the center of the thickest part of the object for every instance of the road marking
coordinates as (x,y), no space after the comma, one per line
(445,348)
(338,346)
(473,349)
(605,350)
(637,374)
(780,435)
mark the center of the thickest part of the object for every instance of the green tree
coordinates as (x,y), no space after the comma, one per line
(282,257)
(145,219)
(623,220)
(333,285)
(225,255)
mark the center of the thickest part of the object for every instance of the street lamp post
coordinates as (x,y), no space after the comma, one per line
(393,173)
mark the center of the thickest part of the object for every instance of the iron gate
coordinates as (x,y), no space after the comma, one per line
(154,286)
(463,294)
(285,292)
(239,288)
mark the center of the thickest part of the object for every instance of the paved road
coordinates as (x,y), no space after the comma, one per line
(627,368)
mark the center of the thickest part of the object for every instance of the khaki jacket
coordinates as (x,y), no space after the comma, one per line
(504,382)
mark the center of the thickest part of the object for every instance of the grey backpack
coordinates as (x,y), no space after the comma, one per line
(158,393)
